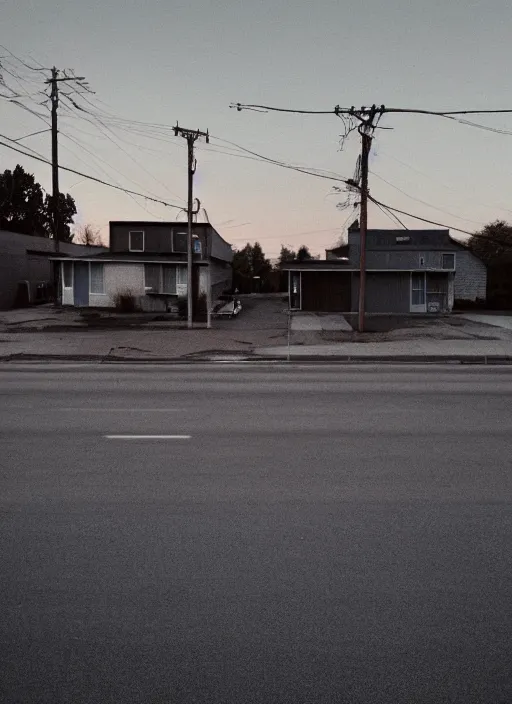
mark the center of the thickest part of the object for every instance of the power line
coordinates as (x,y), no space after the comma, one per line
(391,215)
(423,202)
(417,217)
(477,235)
(32,68)
(91,178)
(366,110)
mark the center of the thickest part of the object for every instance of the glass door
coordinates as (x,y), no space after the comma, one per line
(418,292)
(295,302)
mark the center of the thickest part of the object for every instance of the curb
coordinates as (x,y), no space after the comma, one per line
(259,359)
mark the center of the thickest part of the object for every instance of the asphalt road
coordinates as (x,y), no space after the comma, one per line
(316,535)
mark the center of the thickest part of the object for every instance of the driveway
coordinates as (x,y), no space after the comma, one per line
(503,320)
(258,314)
(319,321)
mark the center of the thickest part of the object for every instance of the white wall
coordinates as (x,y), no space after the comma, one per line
(203,280)
(120,278)
(470,276)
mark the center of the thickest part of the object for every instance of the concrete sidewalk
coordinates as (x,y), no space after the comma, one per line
(499,321)
(215,345)
(412,349)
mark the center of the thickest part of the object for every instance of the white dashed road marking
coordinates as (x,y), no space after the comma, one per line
(147,437)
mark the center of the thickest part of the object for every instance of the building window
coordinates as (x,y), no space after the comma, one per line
(68,274)
(136,241)
(162,278)
(169,279)
(179,241)
(181,275)
(97,278)
(196,246)
(152,274)
(448,261)
(422,260)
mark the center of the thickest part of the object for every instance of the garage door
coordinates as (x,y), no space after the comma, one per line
(326,290)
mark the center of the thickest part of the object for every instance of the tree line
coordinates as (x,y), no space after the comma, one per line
(25,209)
(253,272)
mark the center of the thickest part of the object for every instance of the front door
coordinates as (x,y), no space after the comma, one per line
(295,290)
(81,284)
(418,292)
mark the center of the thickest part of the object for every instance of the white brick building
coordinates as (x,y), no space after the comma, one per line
(470,280)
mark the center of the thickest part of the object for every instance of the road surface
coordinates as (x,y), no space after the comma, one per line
(295,535)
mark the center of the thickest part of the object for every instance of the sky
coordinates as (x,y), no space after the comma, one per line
(162,61)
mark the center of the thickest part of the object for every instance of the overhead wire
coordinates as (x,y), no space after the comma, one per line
(394,218)
(423,202)
(88,176)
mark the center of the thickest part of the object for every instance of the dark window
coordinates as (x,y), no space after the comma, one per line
(152,277)
(196,246)
(180,242)
(448,261)
(68,274)
(136,243)
(169,279)
(97,278)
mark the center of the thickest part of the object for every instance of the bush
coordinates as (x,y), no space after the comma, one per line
(468,304)
(125,302)
(182,307)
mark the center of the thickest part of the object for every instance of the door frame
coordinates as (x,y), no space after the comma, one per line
(291,274)
(422,307)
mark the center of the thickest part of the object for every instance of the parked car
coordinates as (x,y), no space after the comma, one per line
(227,306)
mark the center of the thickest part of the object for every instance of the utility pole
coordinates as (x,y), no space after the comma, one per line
(54,97)
(191,136)
(365,129)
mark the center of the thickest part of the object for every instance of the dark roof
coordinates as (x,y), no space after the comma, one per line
(407,233)
(159,223)
(316,264)
(346,265)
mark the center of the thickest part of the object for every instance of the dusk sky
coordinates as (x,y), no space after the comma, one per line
(158,62)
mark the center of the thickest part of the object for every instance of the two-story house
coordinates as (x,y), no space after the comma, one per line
(148,260)
(408,271)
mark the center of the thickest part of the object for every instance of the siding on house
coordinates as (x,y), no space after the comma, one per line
(157,237)
(385,292)
(404,260)
(27,258)
(470,277)
(221,277)
(160,238)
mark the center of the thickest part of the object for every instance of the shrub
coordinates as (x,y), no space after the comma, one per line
(182,307)
(125,302)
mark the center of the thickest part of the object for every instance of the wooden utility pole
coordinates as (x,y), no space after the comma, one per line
(54,97)
(191,136)
(55,158)
(366,131)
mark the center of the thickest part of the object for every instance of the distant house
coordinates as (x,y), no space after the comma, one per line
(408,271)
(148,261)
(26,268)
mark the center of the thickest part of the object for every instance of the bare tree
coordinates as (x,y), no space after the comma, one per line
(88,235)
